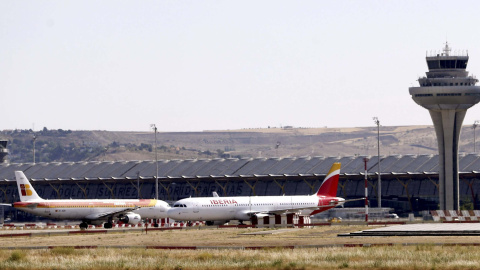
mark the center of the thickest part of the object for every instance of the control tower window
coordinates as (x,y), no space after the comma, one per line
(462,64)
(433,64)
(447,64)
(448,94)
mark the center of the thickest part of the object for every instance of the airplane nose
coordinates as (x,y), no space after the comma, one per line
(172,213)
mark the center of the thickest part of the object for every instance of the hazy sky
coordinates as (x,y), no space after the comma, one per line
(209,65)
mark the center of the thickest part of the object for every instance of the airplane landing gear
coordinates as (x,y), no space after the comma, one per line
(107,225)
(83,226)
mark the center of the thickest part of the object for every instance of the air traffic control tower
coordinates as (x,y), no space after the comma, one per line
(447,92)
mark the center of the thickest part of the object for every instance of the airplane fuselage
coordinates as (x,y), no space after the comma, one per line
(88,209)
(243,208)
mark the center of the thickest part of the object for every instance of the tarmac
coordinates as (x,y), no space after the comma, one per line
(440,232)
(422,229)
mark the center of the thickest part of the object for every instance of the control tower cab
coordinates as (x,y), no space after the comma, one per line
(447,92)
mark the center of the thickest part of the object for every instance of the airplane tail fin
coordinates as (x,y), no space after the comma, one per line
(25,189)
(330,184)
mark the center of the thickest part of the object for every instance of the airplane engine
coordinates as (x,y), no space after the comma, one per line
(242,216)
(216,222)
(131,218)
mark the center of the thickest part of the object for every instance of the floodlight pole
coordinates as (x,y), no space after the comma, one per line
(475,124)
(138,184)
(34,139)
(377,122)
(365,160)
(156,161)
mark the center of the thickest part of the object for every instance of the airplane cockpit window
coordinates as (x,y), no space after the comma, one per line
(179,205)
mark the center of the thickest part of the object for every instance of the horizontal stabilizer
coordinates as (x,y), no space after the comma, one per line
(32,205)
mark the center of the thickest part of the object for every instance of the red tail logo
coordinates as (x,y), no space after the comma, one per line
(25,190)
(330,184)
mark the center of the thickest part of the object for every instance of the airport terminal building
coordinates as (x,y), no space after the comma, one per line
(409,182)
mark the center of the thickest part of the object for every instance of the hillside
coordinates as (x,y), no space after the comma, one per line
(60,145)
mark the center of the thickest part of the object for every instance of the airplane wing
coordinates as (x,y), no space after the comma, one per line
(284,211)
(104,215)
(294,210)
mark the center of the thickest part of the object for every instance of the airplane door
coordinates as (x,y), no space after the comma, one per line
(276,205)
(91,208)
(232,210)
(47,210)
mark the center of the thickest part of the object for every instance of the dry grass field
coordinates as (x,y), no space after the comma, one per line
(396,257)
(226,237)
(130,250)
(294,142)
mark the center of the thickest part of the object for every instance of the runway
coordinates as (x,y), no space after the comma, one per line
(345,235)
(423,229)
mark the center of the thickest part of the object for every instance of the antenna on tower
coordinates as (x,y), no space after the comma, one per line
(446,50)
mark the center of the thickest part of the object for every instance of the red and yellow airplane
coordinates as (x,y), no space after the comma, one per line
(96,211)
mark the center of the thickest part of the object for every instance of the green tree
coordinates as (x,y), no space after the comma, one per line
(466,204)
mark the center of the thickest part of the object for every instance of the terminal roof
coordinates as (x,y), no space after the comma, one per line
(231,167)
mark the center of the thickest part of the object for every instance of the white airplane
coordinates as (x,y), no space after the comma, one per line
(220,210)
(94,211)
